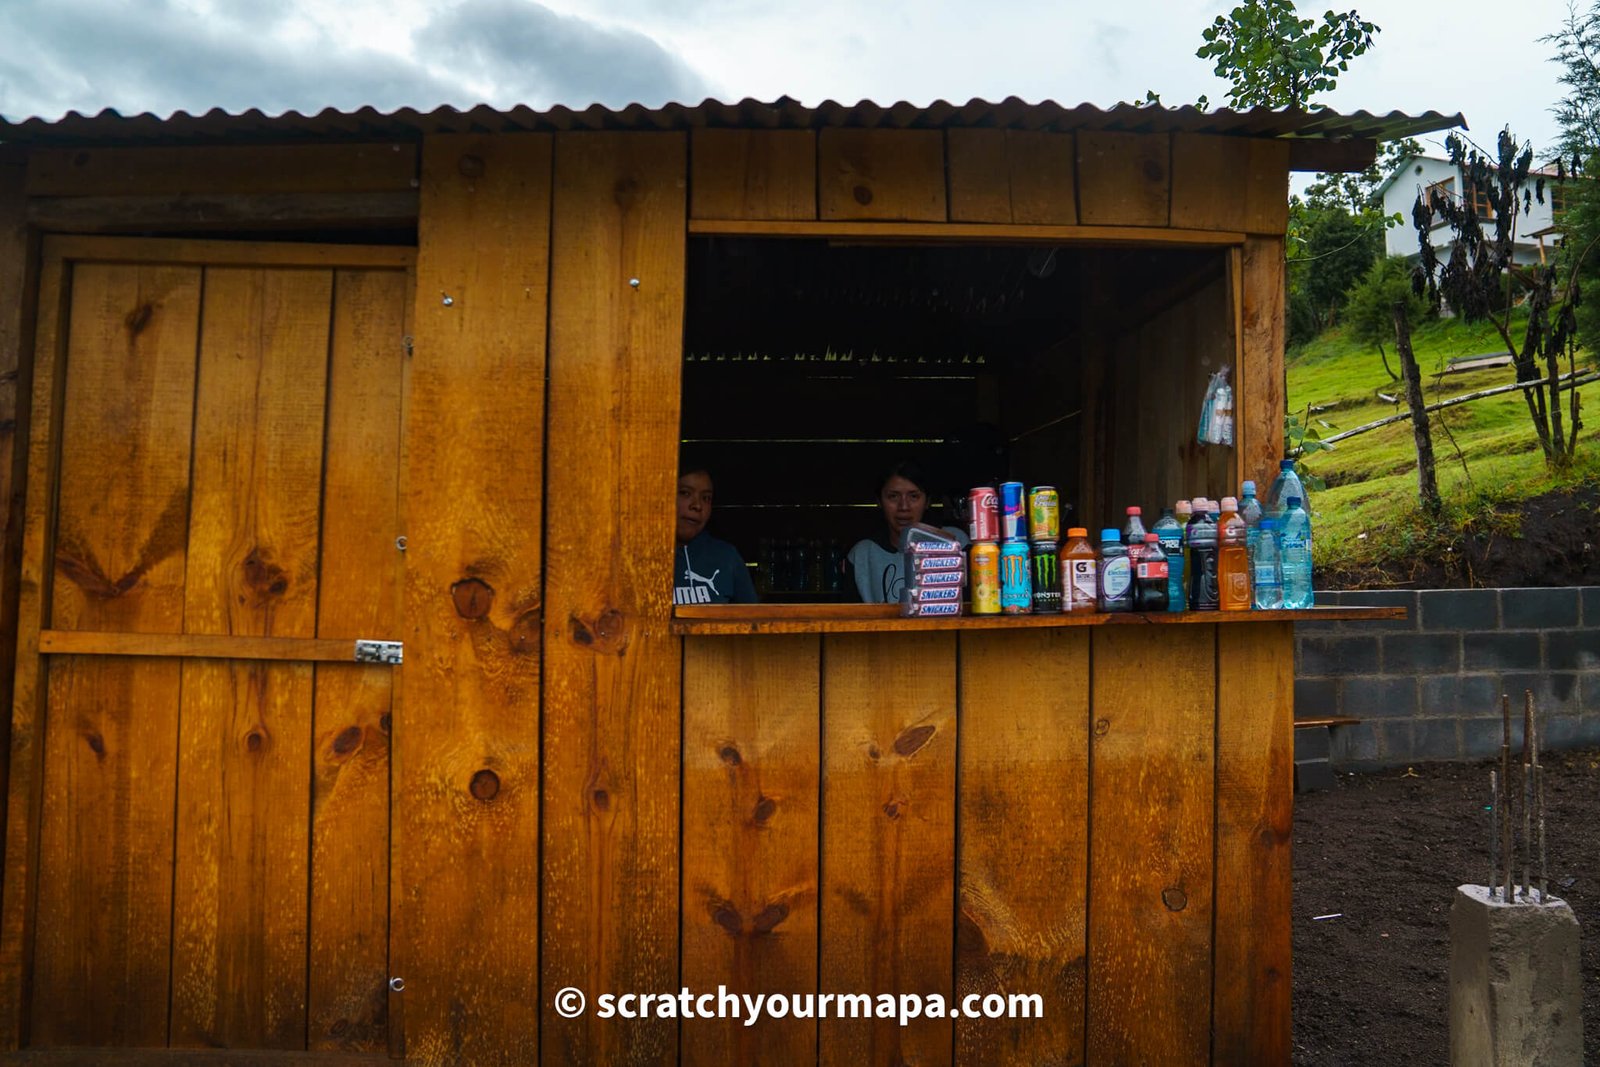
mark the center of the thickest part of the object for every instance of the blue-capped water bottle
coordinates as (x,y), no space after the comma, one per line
(1295,544)
(1266,570)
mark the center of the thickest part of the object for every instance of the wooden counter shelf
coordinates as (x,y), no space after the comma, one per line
(710,619)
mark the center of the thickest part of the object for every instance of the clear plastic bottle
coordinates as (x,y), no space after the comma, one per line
(1250,511)
(1150,574)
(1285,485)
(1169,529)
(1266,572)
(1116,573)
(1133,530)
(1295,545)
(1233,559)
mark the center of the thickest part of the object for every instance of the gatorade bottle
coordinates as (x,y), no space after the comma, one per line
(1295,545)
(1250,511)
(1150,575)
(1169,529)
(1203,559)
(1116,575)
(1233,558)
(1266,574)
(1133,530)
(1080,574)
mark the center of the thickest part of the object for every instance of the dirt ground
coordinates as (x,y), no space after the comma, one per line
(1557,546)
(1384,853)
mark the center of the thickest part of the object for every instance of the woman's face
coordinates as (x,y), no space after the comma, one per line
(694,505)
(902,503)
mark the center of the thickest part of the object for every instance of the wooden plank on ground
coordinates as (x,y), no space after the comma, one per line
(888,839)
(881,174)
(304,168)
(753,174)
(1023,812)
(23,783)
(240,878)
(103,950)
(1255,831)
(1230,183)
(466,824)
(1150,845)
(751,784)
(1124,179)
(1260,401)
(358,593)
(612,675)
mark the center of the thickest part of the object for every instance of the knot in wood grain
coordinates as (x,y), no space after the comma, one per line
(912,739)
(894,806)
(347,741)
(768,917)
(525,632)
(485,785)
(137,319)
(1174,898)
(727,916)
(264,577)
(97,744)
(1102,727)
(472,597)
(765,808)
(385,722)
(1154,171)
(606,633)
(255,741)
(470,166)
(862,194)
(730,755)
(626,191)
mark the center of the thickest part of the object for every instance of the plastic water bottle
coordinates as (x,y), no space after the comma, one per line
(1295,542)
(1285,485)
(1265,568)
(1250,511)
(1169,529)
(1116,573)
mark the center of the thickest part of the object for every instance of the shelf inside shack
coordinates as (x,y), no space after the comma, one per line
(811,366)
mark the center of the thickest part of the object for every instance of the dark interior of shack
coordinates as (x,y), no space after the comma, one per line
(811,366)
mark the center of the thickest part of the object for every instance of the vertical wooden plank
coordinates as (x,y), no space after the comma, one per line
(751,783)
(753,174)
(1023,808)
(466,738)
(881,174)
(1209,178)
(1124,179)
(240,879)
(23,784)
(357,597)
(1255,831)
(1266,187)
(19,251)
(102,949)
(1043,186)
(980,175)
(1150,844)
(1259,398)
(612,689)
(888,839)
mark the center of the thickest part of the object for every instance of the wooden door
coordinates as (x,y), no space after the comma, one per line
(198,853)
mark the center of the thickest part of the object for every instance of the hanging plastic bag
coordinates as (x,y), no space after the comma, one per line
(1216,412)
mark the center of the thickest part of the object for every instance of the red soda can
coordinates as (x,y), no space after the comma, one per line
(984,571)
(1013,512)
(983,507)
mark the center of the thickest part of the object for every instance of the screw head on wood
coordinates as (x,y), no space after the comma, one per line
(397,984)
(400,543)
(634,282)
(448,300)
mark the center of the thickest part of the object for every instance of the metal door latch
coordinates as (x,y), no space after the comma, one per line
(390,652)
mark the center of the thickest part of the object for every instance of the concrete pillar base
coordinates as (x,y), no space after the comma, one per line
(1515,989)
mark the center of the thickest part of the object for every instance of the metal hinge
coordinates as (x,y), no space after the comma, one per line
(391,652)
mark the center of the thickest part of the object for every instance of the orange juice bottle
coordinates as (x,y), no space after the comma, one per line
(1233,558)
(1080,573)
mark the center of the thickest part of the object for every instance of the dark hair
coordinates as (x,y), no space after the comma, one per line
(690,463)
(912,472)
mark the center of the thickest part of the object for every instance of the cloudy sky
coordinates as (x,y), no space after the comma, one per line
(166,55)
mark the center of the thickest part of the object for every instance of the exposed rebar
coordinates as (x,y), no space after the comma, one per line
(1494,835)
(1527,793)
(1506,852)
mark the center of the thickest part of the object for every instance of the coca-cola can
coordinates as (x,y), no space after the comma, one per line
(1013,512)
(983,510)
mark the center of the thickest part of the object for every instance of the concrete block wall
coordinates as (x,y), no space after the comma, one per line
(1428,688)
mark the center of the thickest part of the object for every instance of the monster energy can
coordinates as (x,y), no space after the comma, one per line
(1016,591)
(1046,560)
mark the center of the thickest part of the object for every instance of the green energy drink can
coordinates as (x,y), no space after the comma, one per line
(1016,591)
(1044,515)
(1046,560)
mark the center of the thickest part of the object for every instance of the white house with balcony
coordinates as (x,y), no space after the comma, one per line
(1535,235)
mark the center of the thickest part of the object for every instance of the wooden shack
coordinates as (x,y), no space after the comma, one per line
(281,396)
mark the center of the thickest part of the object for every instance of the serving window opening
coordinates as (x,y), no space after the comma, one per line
(812,366)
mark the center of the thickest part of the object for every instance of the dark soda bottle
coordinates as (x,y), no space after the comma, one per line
(1150,575)
(1203,592)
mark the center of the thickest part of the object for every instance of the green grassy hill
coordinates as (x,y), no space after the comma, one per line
(1368,513)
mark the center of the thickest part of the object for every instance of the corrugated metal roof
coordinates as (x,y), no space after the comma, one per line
(218,126)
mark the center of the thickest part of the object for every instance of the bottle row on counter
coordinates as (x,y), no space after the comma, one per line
(1201,555)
